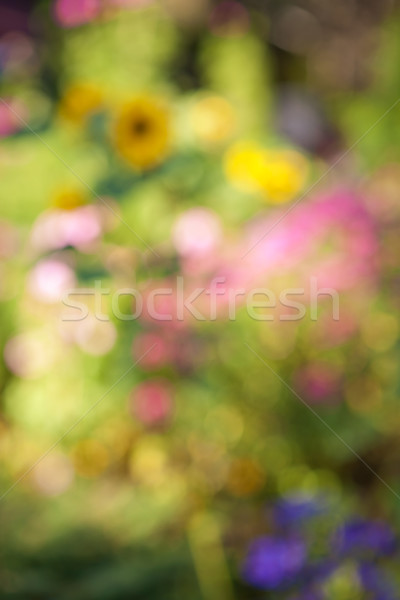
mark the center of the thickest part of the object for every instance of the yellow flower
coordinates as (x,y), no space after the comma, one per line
(244,162)
(149,461)
(283,175)
(90,458)
(142,132)
(79,101)
(276,174)
(213,119)
(68,198)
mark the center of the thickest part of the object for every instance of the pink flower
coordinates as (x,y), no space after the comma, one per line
(339,221)
(160,301)
(71,13)
(331,238)
(50,279)
(12,116)
(318,382)
(196,232)
(56,229)
(151,349)
(151,402)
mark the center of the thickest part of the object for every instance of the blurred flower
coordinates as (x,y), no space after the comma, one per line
(151,349)
(196,232)
(50,279)
(90,458)
(151,402)
(274,561)
(318,382)
(77,227)
(93,336)
(283,175)
(276,174)
(161,311)
(54,475)
(331,238)
(117,434)
(13,113)
(142,132)
(244,162)
(68,198)
(213,119)
(29,355)
(361,536)
(293,510)
(149,461)
(375,580)
(336,569)
(80,100)
(71,13)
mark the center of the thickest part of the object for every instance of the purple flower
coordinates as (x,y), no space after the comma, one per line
(272,562)
(363,536)
(375,581)
(295,509)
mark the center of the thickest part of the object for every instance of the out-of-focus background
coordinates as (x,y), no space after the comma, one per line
(147,145)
